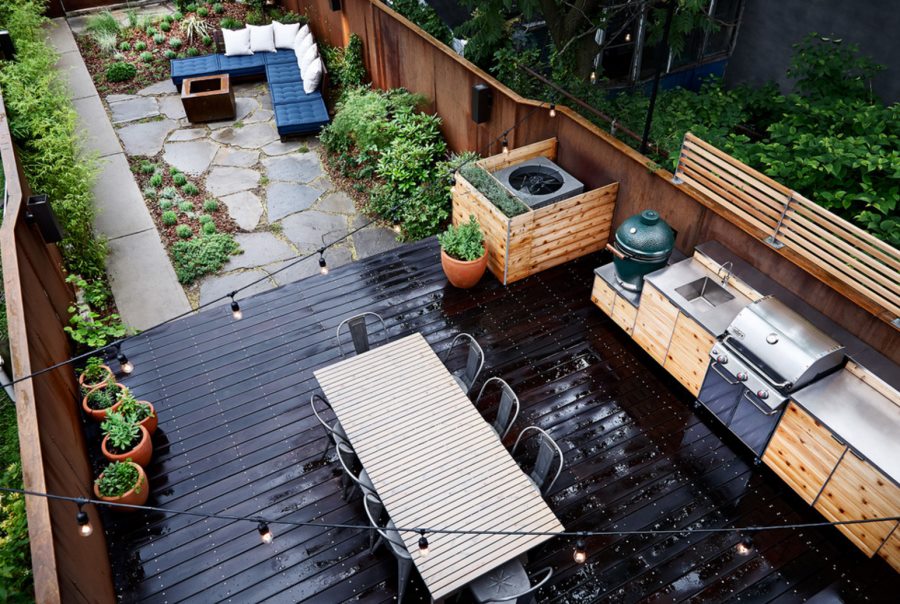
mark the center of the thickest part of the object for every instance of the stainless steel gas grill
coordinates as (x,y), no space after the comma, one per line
(768,351)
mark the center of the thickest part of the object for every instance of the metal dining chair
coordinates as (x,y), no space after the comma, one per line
(335,431)
(508,583)
(548,454)
(508,409)
(392,538)
(360,481)
(474,362)
(359,332)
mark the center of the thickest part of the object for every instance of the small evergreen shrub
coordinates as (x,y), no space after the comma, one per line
(169,217)
(202,255)
(177,15)
(147,167)
(166,204)
(207,40)
(184,231)
(209,228)
(146,56)
(139,46)
(210,205)
(159,38)
(186,206)
(190,8)
(175,43)
(179,178)
(124,46)
(203,11)
(205,218)
(151,31)
(120,72)
(170,54)
(156,180)
(165,26)
(218,8)
(149,192)
(193,52)
(190,189)
(231,23)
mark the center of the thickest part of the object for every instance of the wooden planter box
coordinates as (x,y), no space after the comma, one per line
(538,239)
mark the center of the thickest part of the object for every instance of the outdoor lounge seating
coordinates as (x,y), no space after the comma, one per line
(296,112)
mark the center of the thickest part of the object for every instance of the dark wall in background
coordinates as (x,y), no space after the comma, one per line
(770,27)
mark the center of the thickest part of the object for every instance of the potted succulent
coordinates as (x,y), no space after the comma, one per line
(122,482)
(463,255)
(124,439)
(139,412)
(95,374)
(100,399)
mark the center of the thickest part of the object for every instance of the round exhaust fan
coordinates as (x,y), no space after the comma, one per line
(536,180)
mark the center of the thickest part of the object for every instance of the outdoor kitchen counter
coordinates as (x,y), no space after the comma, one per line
(865,418)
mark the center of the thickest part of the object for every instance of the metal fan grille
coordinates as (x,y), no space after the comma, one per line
(536,180)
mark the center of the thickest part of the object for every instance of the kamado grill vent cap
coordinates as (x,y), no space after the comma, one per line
(645,236)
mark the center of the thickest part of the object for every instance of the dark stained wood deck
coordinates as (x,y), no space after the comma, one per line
(237,437)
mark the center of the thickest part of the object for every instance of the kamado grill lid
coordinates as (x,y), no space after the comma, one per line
(645,236)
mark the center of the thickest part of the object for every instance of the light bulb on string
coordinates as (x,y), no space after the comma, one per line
(236,309)
(593,77)
(580,554)
(264,533)
(126,365)
(396,227)
(423,544)
(84,522)
(744,546)
(505,146)
(552,109)
(323,266)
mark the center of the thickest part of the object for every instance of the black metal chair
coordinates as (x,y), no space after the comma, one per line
(508,583)
(390,536)
(508,409)
(334,430)
(548,453)
(359,332)
(474,362)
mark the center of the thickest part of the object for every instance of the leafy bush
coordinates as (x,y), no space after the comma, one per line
(165,26)
(177,15)
(146,56)
(175,43)
(159,38)
(184,231)
(120,72)
(16,581)
(124,46)
(167,192)
(207,40)
(166,204)
(203,11)
(345,65)
(202,255)
(103,22)
(101,398)
(190,189)
(139,46)
(170,54)
(230,23)
(218,8)
(156,179)
(169,217)
(149,192)
(123,433)
(493,190)
(88,328)
(205,218)
(211,205)
(186,206)
(465,242)
(425,17)
(209,228)
(192,52)
(134,410)
(117,479)
(96,292)
(94,371)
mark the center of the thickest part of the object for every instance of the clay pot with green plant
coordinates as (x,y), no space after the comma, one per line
(124,439)
(139,412)
(95,374)
(99,400)
(463,254)
(123,482)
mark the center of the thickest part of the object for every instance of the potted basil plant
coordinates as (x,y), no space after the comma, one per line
(122,482)
(139,412)
(125,439)
(98,400)
(95,374)
(463,254)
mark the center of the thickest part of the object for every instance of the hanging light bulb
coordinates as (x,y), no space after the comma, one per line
(84,522)
(236,309)
(593,77)
(423,544)
(580,554)
(505,146)
(264,533)
(552,109)
(323,266)
(124,363)
(397,228)
(744,546)
(628,37)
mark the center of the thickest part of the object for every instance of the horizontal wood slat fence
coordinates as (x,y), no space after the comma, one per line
(865,268)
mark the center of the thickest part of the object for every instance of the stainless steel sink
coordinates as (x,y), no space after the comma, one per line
(704,292)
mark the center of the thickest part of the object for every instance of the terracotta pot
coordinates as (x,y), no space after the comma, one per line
(98,415)
(131,497)
(463,274)
(150,422)
(140,454)
(92,385)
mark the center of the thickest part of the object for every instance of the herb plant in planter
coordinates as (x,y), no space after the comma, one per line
(95,374)
(123,482)
(124,439)
(99,400)
(463,255)
(139,412)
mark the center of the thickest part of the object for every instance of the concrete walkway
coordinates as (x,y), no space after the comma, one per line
(142,279)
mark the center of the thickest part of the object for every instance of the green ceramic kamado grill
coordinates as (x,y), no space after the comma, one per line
(643,244)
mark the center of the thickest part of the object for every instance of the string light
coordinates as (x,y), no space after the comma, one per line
(323,266)
(593,77)
(396,228)
(84,522)
(235,308)
(552,109)
(423,544)
(505,146)
(264,533)
(580,555)
(126,365)
(744,546)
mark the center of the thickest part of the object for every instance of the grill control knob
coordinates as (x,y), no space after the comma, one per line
(742,375)
(721,359)
(763,394)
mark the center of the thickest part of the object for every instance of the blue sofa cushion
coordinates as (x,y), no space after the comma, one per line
(285,93)
(279,73)
(302,117)
(192,67)
(280,56)
(242,65)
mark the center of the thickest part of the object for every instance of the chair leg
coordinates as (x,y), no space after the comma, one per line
(327,446)
(404,567)
(374,545)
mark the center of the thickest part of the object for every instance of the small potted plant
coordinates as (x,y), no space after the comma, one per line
(122,482)
(95,374)
(100,399)
(463,255)
(139,412)
(124,439)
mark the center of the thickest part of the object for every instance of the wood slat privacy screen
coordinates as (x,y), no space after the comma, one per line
(853,261)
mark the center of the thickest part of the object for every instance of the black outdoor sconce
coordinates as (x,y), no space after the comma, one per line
(482,101)
(39,212)
(7,48)
(335,5)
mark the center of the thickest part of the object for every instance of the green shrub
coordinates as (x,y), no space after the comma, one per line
(168,18)
(179,178)
(207,40)
(149,192)
(493,190)
(186,206)
(134,410)
(203,11)
(165,26)
(148,167)
(425,17)
(140,46)
(345,66)
(205,218)
(166,204)
(101,398)
(230,23)
(255,17)
(175,43)
(211,205)
(123,433)
(170,54)
(184,231)
(169,217)
(103,22)
(151,31)
(190,189)
(146,56)
(124,46)
(202,255)
(168,192)
(15,554)
(96,291)
(209,228)
(218,8)
(177,16)
(88,328)
(190,8)
(118,478)
(173,171)
(464,242)
(105,40)
(120,72)
(156,180)
(159,38)
(291,17)
(193,52)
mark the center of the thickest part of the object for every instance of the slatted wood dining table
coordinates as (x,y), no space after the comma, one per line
(435,462)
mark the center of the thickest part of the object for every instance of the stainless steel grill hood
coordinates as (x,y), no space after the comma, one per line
(789,350)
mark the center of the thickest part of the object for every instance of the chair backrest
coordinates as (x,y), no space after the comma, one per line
(359,332)
(318,398)
(527,596)
(370,502)
(474,358)
(508,409)
(347,457)
(549,454)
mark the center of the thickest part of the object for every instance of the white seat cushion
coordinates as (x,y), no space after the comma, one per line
(285,34)
(308,55)
(301,43)
(237,42)
(312,76)
(304,31)
(262,38)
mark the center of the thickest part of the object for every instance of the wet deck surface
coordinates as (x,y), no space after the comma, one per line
(237,437)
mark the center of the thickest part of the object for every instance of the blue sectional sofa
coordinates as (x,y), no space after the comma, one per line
(296,112)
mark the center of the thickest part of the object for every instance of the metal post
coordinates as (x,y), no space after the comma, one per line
(663,45)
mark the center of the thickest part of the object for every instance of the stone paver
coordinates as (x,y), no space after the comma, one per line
(120,206)
(163,87)
(187,134)
(259,249)
(75,75)
(335,257)
(243,107)
(244,208)
(216,286)
(133,108)
(224,180)
(172,107)
(191,157)
(280,148)
(251,136)
(293,168)
(260,115)
(336,203)
(99,135)
(238,158)
(145,139)
(284,199)
(374,240)
(311,229)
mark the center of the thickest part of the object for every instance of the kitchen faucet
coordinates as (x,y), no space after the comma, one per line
(729,267)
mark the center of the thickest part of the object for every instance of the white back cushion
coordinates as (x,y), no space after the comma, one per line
(237,42)
(312,76)
(308,55)
(301,43)
(285,34)
(304,31)
(262,38)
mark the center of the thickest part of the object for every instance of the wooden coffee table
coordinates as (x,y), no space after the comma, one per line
(208,98)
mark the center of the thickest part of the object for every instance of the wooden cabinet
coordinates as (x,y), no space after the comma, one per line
(603,295)
(655,323)
(688,356)
(890,551)
(803,452)
(857,491)
(624,314)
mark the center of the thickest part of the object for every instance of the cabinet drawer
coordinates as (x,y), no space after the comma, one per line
(603,295)
(688,356)
(803,452)
(890,551)
(624,314)
(655,323)
(857,491)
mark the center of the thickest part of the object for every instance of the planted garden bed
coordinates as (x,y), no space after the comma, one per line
(534,240)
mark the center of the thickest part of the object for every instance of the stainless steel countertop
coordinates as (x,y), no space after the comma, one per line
(859,414)
(714,320)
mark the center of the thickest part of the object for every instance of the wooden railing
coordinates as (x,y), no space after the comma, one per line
(841,254)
